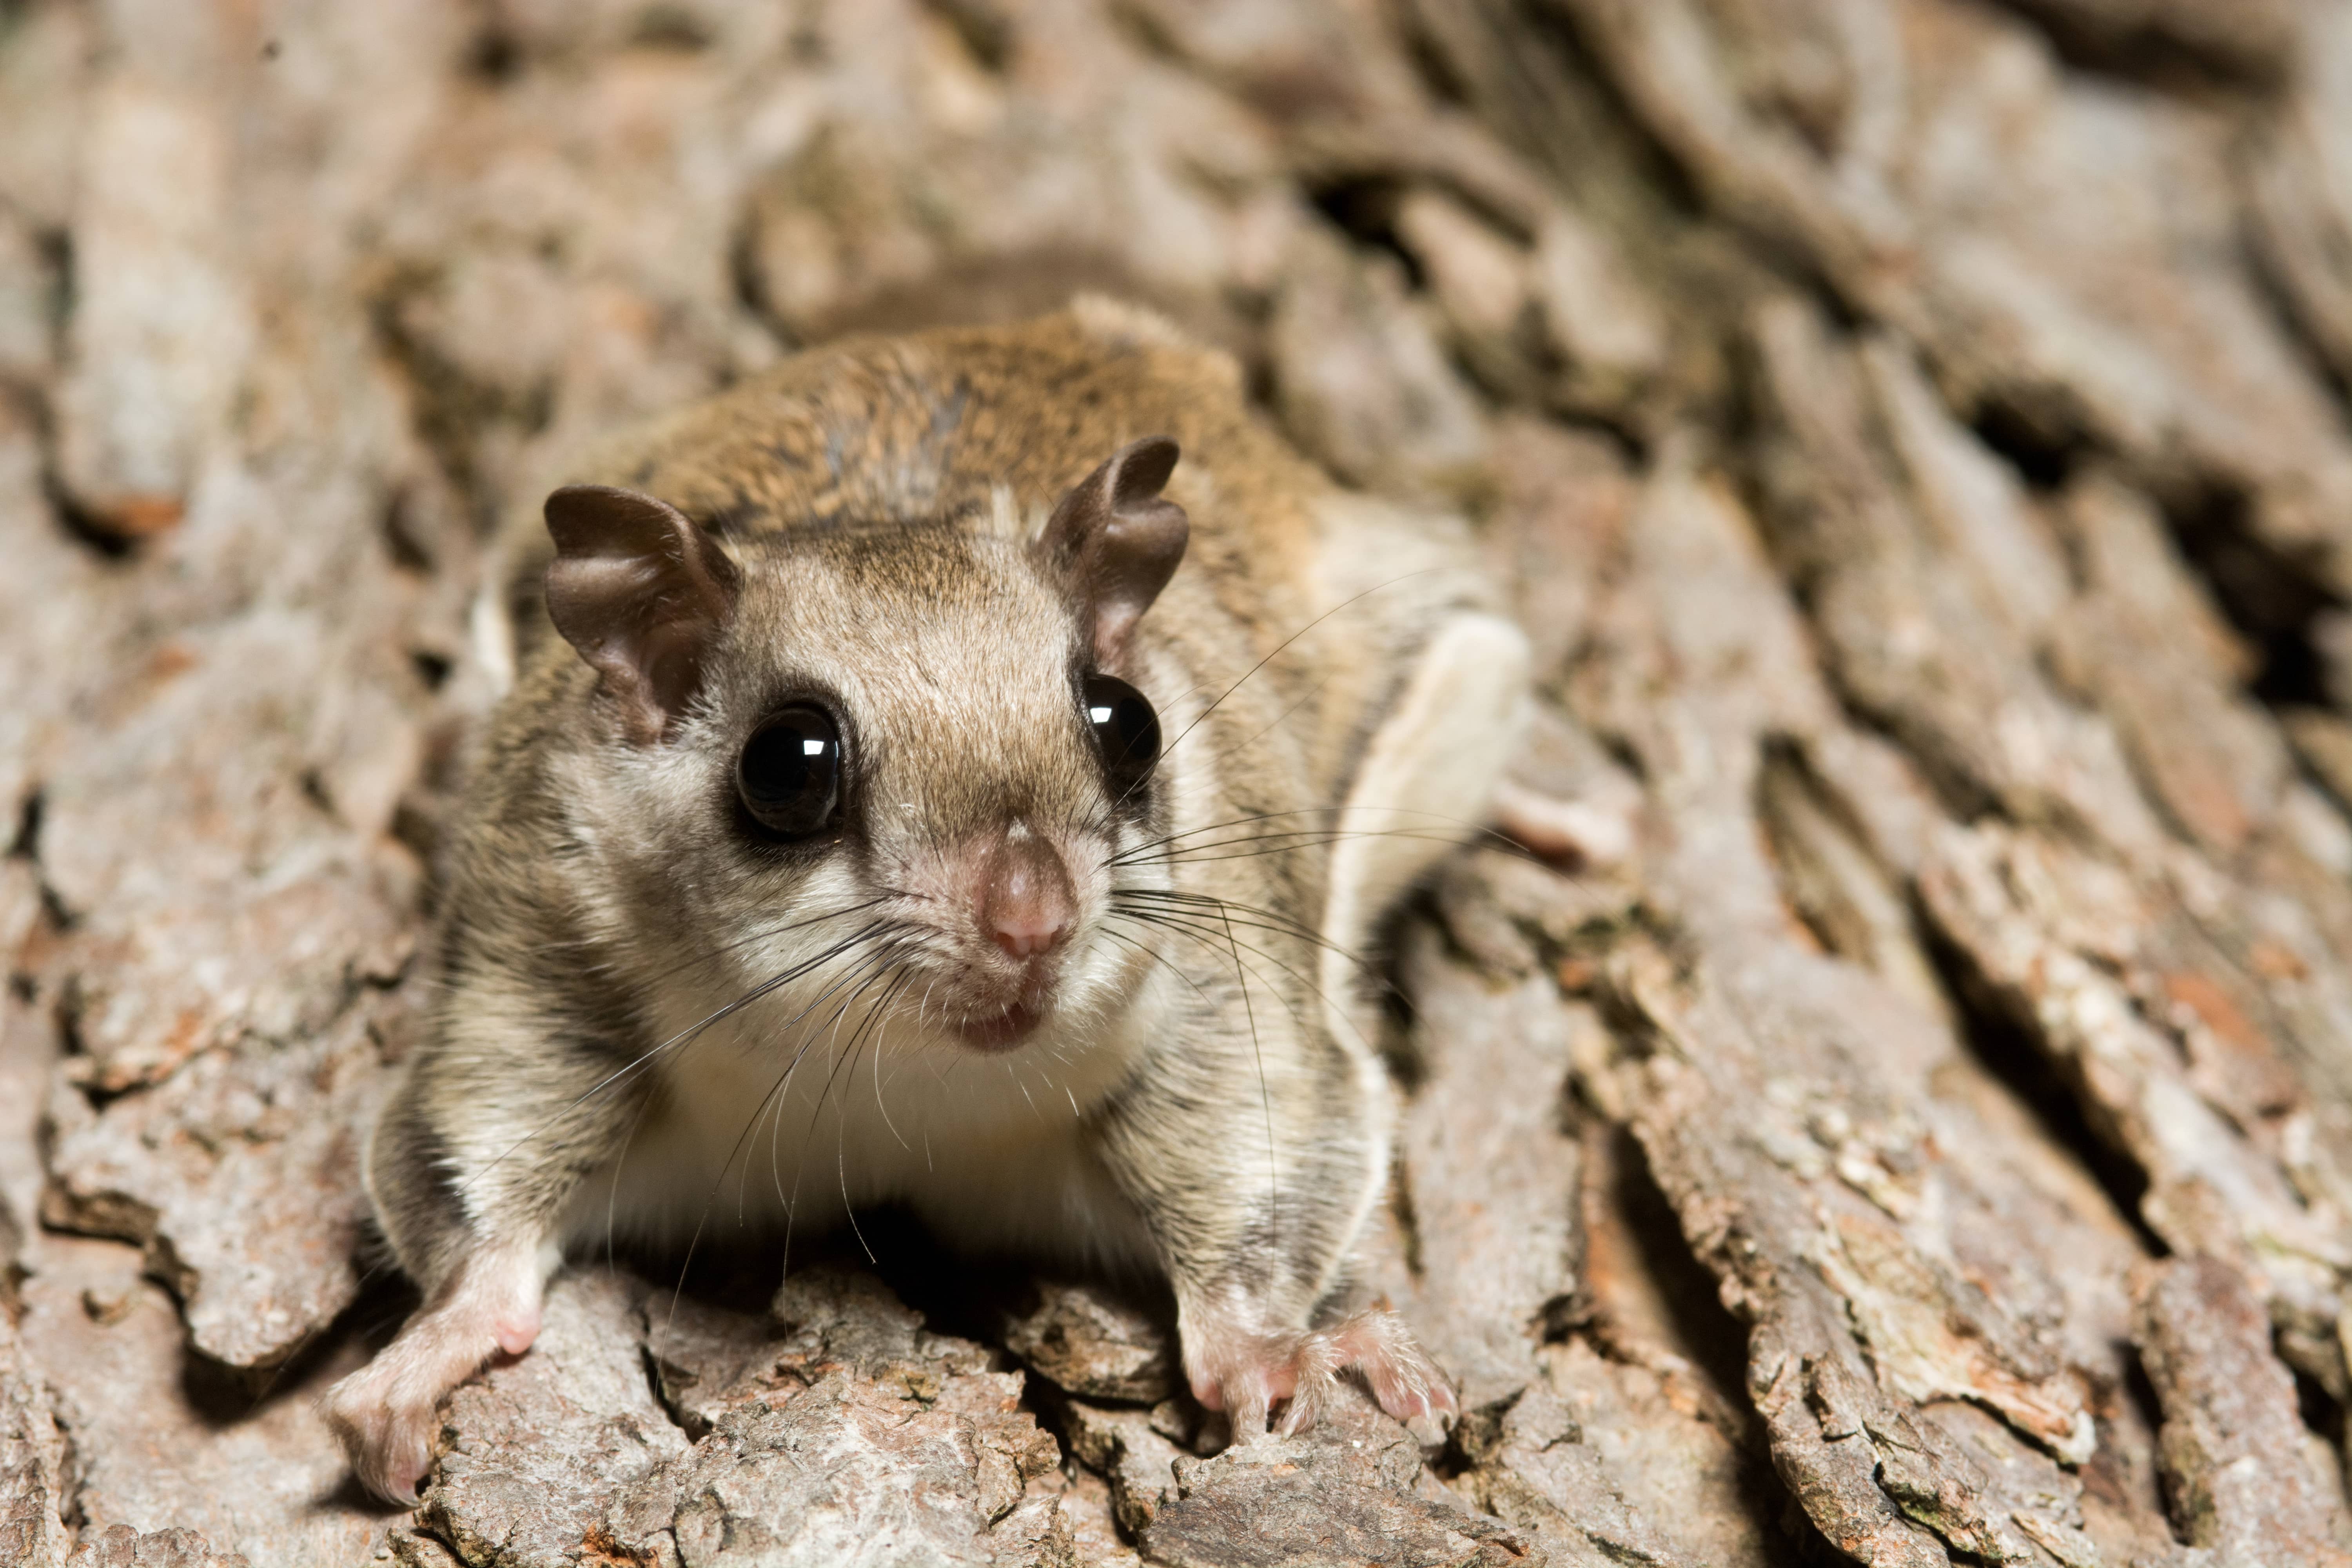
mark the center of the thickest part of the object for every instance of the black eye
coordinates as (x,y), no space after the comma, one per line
(789,773)
(1126,731)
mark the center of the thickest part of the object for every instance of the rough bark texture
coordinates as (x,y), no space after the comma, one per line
(1909,1117)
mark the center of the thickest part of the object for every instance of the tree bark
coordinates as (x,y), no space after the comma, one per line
(1908,1118)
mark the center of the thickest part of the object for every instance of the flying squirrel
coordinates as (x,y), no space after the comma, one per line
(935,792)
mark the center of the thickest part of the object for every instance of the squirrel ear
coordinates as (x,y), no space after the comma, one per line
(1119,539)
(642,592)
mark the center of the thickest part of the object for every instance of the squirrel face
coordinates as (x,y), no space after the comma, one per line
(904,751)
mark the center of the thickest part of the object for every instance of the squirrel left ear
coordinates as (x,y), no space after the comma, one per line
(1119,539)
(642,592)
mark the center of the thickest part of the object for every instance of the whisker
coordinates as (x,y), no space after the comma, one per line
(1151,844)
(1230,753)
(1249,1013)
(1269,921)
(613,1196)
(878,1106)
(1023,1087)
(1476,832)
(1208,936)
(1185,925)
(1265,1100)
(1283,843)
(1276,924)
(695,1241)
(841,1137)
(800,1166)
(891,949)
(765,934)
(1269,659)
(864,965)
(1156,958)
(681,1039)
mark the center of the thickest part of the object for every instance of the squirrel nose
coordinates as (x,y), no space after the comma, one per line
(1026,902)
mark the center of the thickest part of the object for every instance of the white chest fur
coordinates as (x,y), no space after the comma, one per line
(755,1128)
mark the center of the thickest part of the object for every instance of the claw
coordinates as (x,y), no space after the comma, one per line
(388,1438)
(1245,1373)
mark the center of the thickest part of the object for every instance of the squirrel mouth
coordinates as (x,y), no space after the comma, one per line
(998,1007)
(1001,1031)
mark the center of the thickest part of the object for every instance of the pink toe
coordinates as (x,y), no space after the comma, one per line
(515,1333)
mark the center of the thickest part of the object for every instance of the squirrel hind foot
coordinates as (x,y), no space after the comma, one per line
(1248,1374)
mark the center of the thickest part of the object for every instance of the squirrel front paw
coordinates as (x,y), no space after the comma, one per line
(1247,1373)
(385,1414)
(386,1435)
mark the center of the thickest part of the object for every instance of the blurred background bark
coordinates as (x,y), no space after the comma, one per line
(1918,1127)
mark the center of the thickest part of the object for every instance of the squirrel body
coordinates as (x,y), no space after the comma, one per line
(917,784)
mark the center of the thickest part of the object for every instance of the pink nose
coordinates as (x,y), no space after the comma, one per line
(1026,904)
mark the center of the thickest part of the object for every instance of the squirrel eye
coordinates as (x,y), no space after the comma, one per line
(789,775)
(1126,731)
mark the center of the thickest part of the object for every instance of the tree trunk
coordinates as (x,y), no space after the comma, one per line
(1911,1116)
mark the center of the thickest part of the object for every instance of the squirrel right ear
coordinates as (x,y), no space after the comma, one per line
(1120,538)
(642,592)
